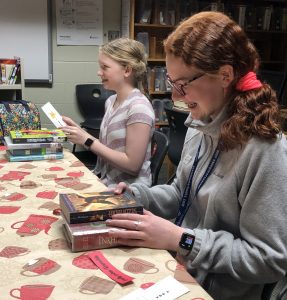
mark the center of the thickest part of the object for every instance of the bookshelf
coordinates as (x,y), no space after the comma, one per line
(264,21)
(11,78)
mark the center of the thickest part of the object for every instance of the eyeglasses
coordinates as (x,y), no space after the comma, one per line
(179,87)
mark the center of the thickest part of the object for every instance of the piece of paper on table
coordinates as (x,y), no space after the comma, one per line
(166,289)
(53,115)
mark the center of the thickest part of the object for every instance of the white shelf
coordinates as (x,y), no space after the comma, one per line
(10,87)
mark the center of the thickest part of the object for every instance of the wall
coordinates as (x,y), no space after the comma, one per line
(72,65)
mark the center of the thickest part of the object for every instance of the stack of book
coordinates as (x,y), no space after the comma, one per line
(29,145)
(84,217)
(9,70)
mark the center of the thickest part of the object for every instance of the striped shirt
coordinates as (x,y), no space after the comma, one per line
(135,109)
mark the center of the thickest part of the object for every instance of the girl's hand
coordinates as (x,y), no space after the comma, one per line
(69,122)
(74,132)
(147,230)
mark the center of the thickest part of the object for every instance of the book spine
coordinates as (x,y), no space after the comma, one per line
(100,240)
(3,73)
(94,216)
(14,158)
(57,146)
(54,139)
(36,151)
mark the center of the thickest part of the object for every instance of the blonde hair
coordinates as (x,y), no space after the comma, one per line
(129,52)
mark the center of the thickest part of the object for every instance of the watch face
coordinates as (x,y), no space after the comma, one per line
(187,241)
(88,142)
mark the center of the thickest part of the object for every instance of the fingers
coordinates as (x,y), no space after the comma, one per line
(120,188)
(68,120)
(147,212)
(134,225)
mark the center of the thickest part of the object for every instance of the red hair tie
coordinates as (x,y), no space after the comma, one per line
(248,82)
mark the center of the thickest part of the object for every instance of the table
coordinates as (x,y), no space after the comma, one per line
(35,260)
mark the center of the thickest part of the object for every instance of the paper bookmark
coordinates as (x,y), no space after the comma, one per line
(106,267)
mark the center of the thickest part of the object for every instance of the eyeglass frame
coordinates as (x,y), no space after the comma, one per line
(179,87)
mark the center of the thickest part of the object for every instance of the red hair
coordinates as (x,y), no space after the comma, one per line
(209,40)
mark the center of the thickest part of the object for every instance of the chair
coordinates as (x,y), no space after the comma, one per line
(91,100)
(177,132)
(276,79)
(276,290)
(159,150)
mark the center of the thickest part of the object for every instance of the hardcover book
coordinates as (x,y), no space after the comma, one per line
(14,158)
(89,236)
(11,146)
(37,136)
(98,206)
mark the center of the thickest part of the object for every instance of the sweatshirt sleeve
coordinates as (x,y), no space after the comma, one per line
(258,253)
(162,200)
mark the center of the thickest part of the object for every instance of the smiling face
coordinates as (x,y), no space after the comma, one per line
(204,96)
(113,74)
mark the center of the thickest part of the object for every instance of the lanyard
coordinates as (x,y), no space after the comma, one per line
(184,203)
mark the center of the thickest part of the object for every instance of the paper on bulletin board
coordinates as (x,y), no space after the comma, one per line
(79,22)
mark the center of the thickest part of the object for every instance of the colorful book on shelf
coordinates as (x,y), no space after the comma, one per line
(37,136)
(56,147)
(89,236)
(15,158)
(14,73)
(97,206)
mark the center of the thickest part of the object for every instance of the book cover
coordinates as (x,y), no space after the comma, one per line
(143,37)
(89,236)
(15,158)
(97,206)
(276,19)
(11,146)
(267,17)
(37,136)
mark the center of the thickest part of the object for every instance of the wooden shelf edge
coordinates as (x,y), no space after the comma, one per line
(148,25)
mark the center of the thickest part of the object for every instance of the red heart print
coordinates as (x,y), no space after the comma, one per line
(14,175)
(76,174)
(9,209)
(55,169)
(47,194)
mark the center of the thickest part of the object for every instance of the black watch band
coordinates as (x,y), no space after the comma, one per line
(88,143)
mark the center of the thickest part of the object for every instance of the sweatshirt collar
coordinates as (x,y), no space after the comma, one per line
(208,127)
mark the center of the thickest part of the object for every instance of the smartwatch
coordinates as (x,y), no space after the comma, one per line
(88,143)
(186,243)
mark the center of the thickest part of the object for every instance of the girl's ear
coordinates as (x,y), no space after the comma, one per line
(128,71)
(226,75)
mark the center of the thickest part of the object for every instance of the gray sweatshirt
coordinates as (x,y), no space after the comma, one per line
(239,216)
